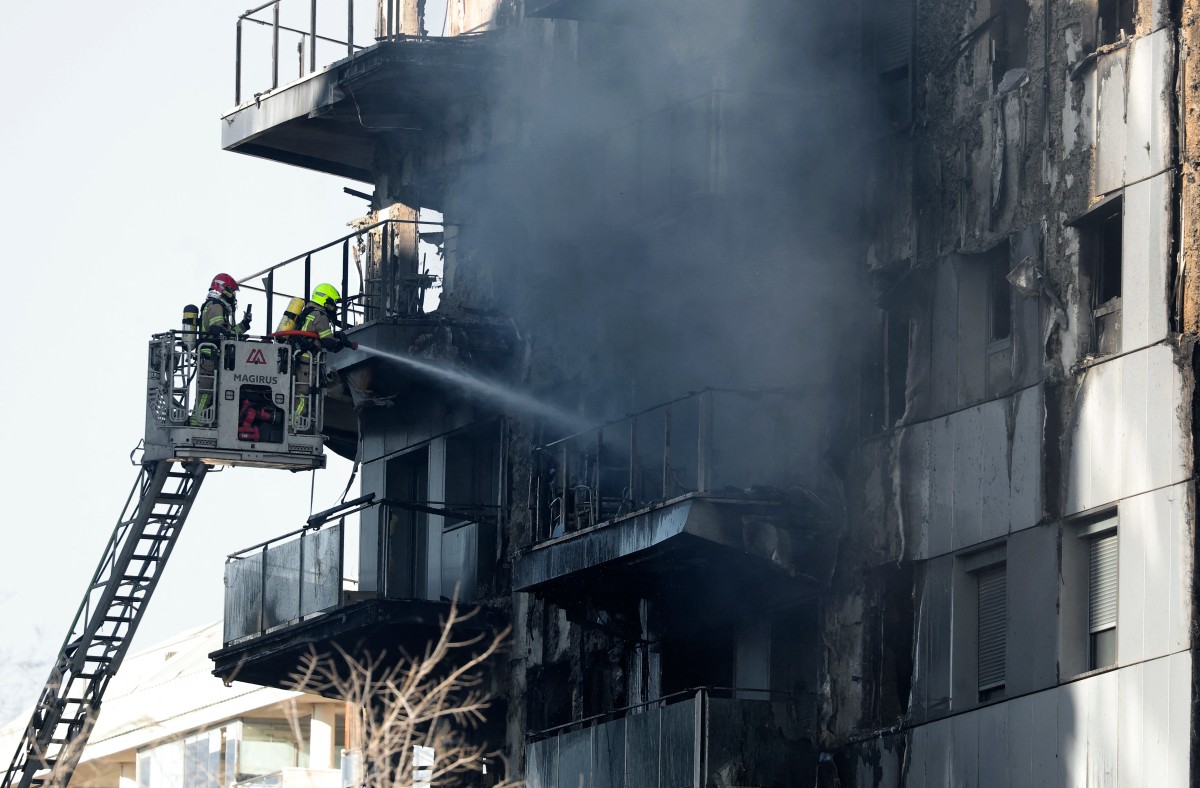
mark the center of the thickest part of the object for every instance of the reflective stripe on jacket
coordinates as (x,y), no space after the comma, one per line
(216,322)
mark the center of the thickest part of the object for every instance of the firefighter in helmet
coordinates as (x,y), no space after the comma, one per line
(318,317)
(216,323)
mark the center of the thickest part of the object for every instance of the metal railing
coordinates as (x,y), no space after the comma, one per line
(726,441)
(283,581)
(338,34)
(377,282)
(303,573)
(306,47)
(696,737)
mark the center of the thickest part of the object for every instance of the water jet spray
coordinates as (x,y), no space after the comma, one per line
(497,392)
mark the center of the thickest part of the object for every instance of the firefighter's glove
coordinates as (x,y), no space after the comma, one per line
(245,324)
(343,341)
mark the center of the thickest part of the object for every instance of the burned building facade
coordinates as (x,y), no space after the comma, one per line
(810,386)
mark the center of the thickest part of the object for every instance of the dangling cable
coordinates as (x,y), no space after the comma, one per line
(312,489)
(357,459)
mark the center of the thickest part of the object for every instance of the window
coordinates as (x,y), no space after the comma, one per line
(1001,294)
(1088,601)
(884,373)
(898,331)
(891,45)
(1102,600)
(1113,17)
(1010,50)
(992,631)
(1100,270)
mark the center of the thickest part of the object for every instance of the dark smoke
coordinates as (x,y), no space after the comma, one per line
(681,210)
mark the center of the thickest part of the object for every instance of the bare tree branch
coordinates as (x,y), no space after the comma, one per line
(437,700)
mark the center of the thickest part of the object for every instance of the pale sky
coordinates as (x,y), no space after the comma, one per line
(118,206)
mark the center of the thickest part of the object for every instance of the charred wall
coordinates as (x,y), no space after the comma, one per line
(1052,165)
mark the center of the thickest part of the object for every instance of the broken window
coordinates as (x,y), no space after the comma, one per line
(897,331)
(1000,294)
(1010,49)
(1114,17)
(472,474)
(992,631)
(884,374)
(891,46)
(705,659)
(404,537)
(1100,270)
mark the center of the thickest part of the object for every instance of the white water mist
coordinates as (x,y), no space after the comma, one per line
(490,389)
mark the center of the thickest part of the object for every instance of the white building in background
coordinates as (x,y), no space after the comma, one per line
(167,722)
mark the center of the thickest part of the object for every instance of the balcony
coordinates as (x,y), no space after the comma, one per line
(301,590)
(702,737)
(703,495)
(331,117)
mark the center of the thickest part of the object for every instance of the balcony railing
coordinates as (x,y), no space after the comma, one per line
(377,282)
(733,443)
(699,737)
(307,572)
(283,581)
(269,33)
(337,33)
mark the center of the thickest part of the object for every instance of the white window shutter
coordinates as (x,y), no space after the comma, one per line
(1102,583)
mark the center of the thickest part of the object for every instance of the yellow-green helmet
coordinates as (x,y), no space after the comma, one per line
(326,295)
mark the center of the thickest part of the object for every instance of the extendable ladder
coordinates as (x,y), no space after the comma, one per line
(107,619)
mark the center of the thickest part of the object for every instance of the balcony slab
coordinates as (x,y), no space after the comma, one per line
(698,541)
(373,626)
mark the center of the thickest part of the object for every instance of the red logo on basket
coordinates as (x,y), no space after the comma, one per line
(256,357)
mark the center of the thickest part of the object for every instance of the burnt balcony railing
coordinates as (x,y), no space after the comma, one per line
(284,580)
(307,572)
(699,737)
(377,282)
(279,33)
(734,443)
(282,24)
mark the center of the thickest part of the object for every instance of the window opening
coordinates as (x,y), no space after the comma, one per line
(1009,45)
(1100,243)
(892,46)
(1102,601)
(1113,17)
(1001,294)
(897,329)
(704,659)
(407,480)
(992,634)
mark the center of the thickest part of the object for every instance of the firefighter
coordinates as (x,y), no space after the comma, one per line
(216,323)
(319,317)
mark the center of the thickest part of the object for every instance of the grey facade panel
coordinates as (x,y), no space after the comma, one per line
(1033,583)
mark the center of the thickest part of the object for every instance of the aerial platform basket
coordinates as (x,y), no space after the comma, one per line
(264,407)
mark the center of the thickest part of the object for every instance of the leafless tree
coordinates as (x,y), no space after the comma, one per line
(434,700)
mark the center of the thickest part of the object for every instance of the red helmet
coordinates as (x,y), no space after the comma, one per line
(224,284)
